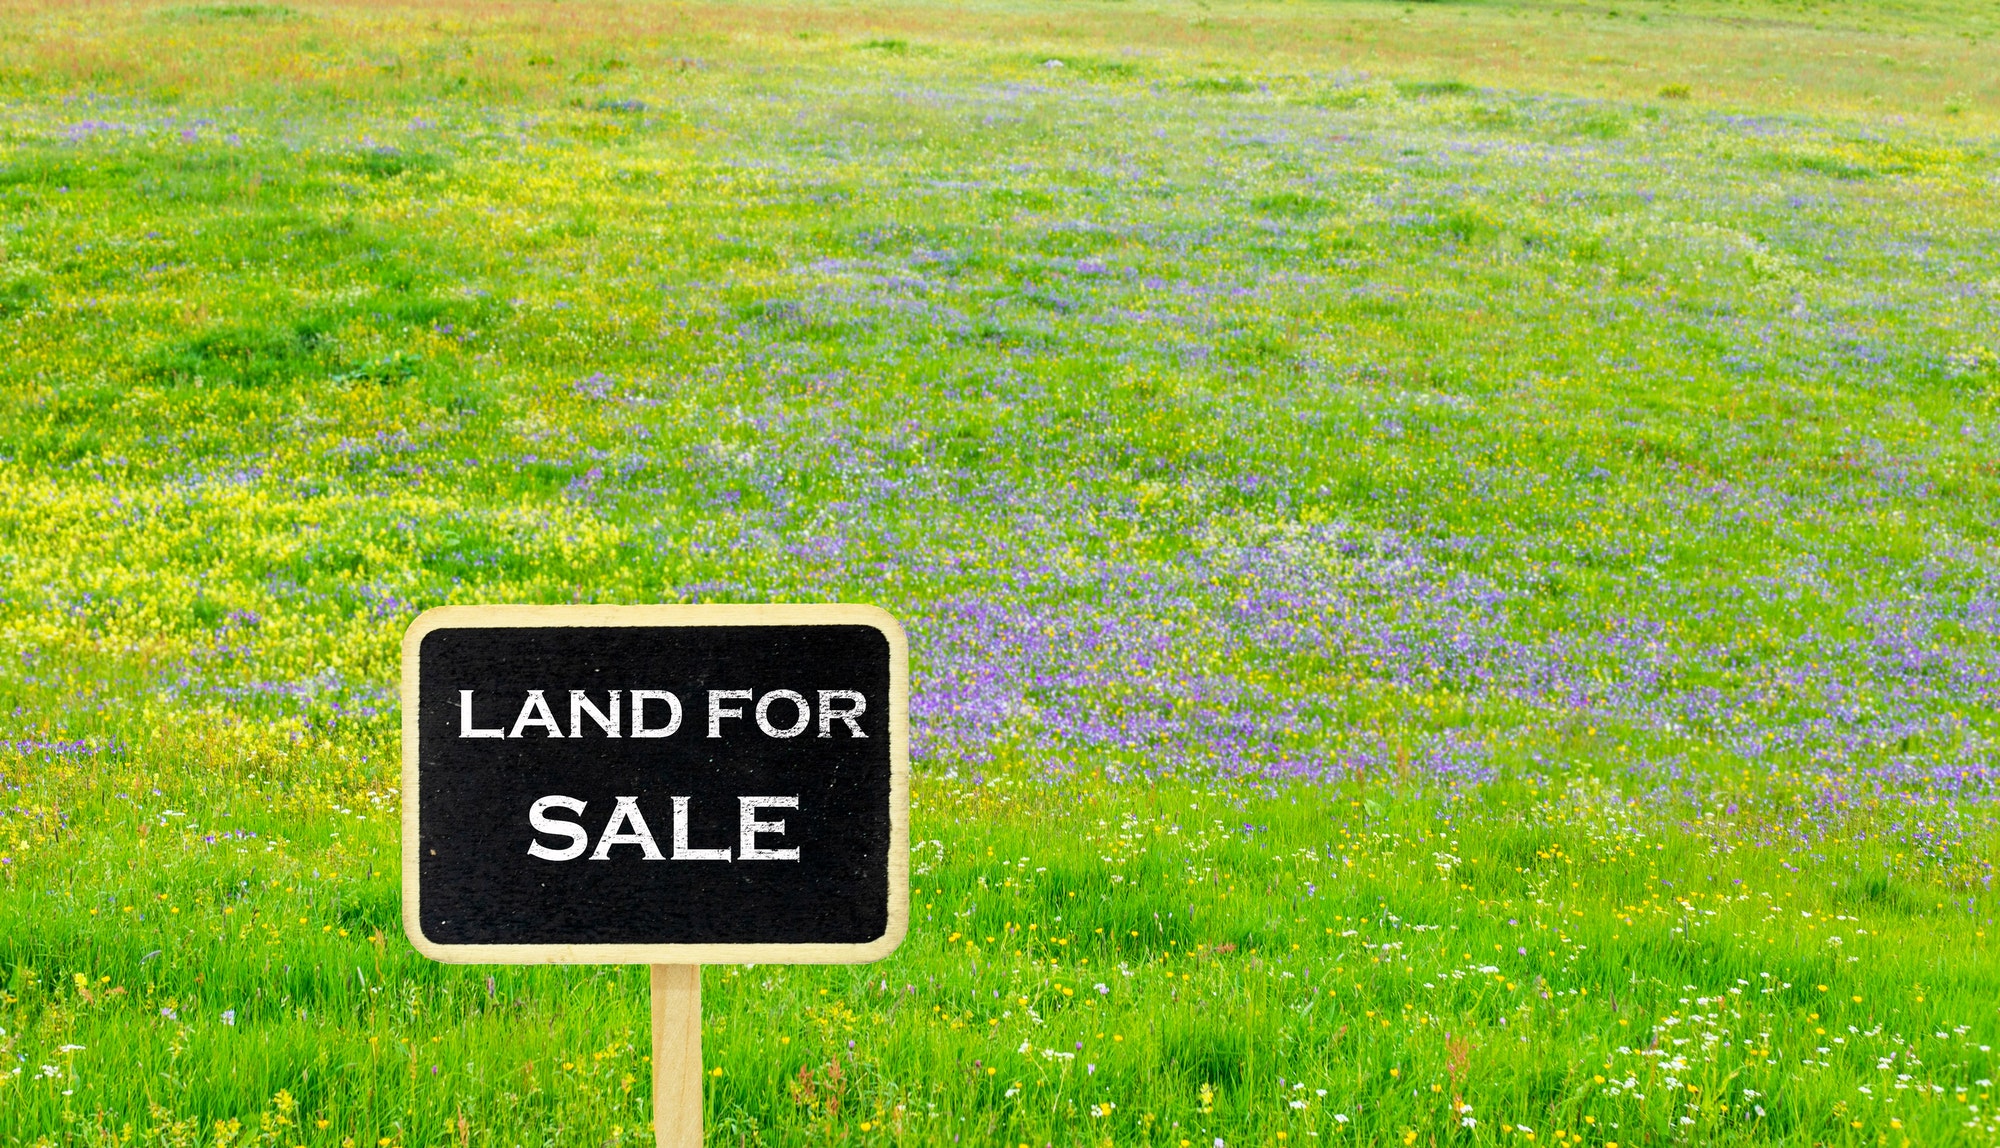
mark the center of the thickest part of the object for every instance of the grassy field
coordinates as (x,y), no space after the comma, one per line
(1449,550)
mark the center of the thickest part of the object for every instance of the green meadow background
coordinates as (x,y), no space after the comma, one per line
(1449,551)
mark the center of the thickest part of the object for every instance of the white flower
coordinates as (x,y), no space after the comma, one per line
(1298,1104)
(1468,1122)
(1340,1118)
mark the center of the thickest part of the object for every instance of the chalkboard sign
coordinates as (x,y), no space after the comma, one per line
(655,784)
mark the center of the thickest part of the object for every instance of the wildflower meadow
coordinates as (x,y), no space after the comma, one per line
(1448,548)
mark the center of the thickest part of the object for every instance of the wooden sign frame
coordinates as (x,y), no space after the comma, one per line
(678,617)
(676,968)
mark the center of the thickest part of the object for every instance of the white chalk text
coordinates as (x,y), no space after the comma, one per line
(657,713)
(627,826)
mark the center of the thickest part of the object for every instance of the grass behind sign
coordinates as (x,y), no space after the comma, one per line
(1446,547)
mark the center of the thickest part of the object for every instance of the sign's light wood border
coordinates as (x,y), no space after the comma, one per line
(456,617)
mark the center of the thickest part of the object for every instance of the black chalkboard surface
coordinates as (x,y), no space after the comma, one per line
(655,784)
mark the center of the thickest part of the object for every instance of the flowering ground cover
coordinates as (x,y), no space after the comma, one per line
(1448,548)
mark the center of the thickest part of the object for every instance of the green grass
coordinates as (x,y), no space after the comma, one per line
(1457,584)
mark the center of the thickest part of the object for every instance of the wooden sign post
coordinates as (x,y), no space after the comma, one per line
(666,785)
